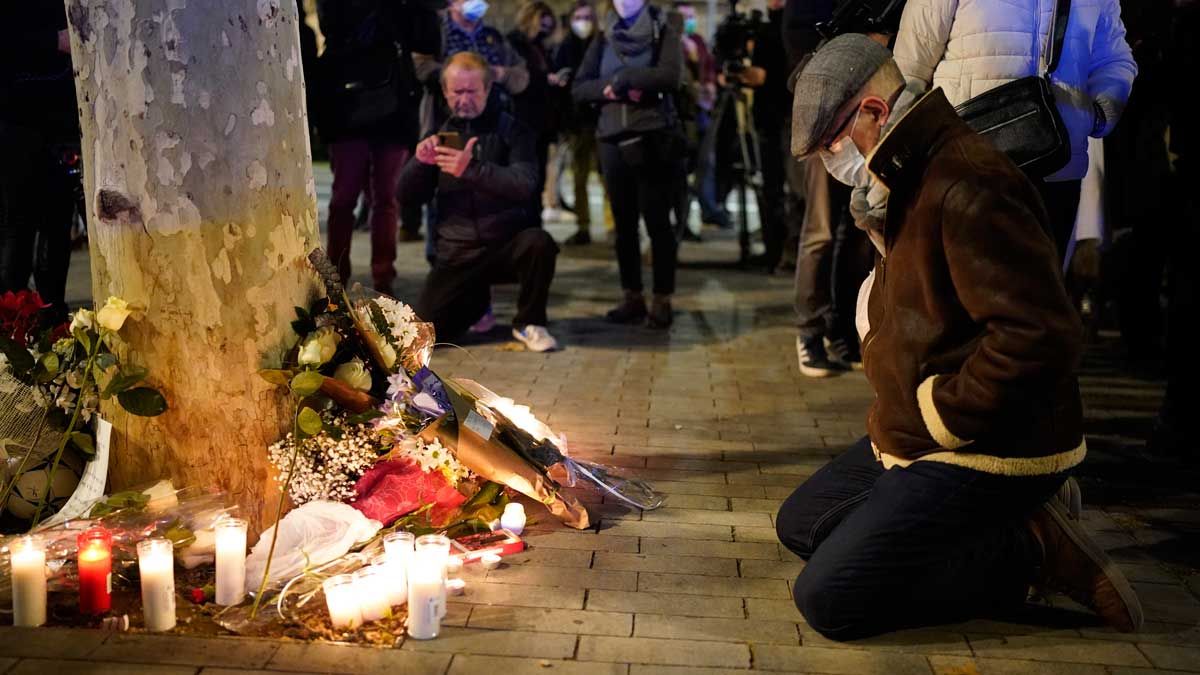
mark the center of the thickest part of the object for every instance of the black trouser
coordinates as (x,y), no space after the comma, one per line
(928,544)
(647,190)
(456,296)
(1062,203)
(772,208)
(35,217)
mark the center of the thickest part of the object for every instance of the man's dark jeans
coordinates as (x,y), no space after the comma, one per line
(928,544)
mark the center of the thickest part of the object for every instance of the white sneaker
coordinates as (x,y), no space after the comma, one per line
(536,338)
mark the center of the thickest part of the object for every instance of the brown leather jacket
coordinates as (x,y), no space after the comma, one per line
(973,343)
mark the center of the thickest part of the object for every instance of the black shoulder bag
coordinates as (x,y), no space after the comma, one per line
(1021,117)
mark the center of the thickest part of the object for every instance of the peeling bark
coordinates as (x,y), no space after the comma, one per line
(201,209)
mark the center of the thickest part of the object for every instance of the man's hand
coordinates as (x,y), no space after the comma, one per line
(64,41)
(427,150)
(455,162)
(634,95)
(610,93)
(753,76)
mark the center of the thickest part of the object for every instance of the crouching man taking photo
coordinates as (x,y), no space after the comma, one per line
(952,508)
(481,169)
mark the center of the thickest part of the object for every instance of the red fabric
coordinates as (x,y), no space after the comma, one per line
(389,490)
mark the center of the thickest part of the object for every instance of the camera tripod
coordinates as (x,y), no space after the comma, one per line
(747,175)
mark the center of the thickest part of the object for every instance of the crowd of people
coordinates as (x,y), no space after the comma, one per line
(923,247)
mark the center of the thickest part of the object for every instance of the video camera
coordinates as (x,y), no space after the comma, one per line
(731,42)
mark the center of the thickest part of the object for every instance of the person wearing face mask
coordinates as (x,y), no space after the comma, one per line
(951,508)
(632,72)
(481,185)
(535,25)
(578,120)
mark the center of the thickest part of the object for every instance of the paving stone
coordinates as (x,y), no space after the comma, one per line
(770,569)
(665,652)
(346,659)
(772,608)
(565,577)
(642,528)
(195,651)
(639,669)
(1157,633)
(483,593)
(710,489)
(760,534)
(65,667)
(710,549)
(553,620)
(497,643)
(1173,656)
(490,665)
(915,641)
(6,663)
(697,502)
(1037,648)
(583,542)
(63,643)
(954,665)
(764,506)
(837,661)
(721,630)
(782,480)
(680,515)
(707,585)
(725,567)
(550,557)
(666,603)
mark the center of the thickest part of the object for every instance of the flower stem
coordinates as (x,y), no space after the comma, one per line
(283,491)
(62,446)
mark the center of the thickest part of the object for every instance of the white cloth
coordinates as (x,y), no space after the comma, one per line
(967,47)
(310,535)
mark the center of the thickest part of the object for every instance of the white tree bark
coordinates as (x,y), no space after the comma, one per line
(201,209)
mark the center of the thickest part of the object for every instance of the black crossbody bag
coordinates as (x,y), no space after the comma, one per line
(1021,118)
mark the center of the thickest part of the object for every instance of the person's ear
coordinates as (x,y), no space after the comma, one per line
(877,108)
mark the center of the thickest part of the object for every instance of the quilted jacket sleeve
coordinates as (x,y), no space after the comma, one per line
(921,42)
(1112,70)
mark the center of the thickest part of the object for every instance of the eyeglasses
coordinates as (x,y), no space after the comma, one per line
(828,145)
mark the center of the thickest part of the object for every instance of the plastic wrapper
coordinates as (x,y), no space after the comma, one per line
(185,516)
(310,535)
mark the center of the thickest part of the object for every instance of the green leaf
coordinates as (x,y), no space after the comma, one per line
(129,376)
(363,417)
(143,402)
(84,442)
(307,383)
(51,363)
(19,358)
(309,421)
(84,339)
(179,535)
(276,376)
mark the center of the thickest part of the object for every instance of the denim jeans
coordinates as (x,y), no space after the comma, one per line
(928,544)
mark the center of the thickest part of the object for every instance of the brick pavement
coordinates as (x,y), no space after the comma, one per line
(716,414)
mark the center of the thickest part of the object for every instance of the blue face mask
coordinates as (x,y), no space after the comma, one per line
(473,10)
(689,25)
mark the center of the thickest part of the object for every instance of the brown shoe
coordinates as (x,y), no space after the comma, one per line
(660,316)
(1075,564)
(631,310)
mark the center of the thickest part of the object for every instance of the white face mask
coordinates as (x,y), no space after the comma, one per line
(846,163)
(582,28)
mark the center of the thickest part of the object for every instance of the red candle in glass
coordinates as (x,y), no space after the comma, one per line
(95,571)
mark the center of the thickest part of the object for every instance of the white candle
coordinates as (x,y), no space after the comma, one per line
(426,595)
(513,518)
(371,583)
(455,586)
(28,557)
(398,549)
(436,549)
(395,580)
(341,599)
(231,560)
(156,563)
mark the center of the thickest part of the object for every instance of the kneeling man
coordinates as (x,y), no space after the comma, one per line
(483,178)
(949,510)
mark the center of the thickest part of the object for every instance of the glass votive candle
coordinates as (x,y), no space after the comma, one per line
(432,552)
(513,518)
(372,582)
(396,578)
(230,535)
(156,563)
(94,557)
(27,556)
(426,594)
(399,546)
(341,599)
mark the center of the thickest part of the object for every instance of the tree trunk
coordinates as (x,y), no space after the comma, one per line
(201,208)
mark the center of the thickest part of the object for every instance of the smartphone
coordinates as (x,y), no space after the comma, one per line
(450,139)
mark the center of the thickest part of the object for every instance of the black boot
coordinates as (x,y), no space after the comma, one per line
(631,310)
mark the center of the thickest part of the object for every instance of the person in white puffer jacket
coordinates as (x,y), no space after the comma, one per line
(968,47)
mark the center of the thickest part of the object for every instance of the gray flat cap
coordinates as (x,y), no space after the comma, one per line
(834,74)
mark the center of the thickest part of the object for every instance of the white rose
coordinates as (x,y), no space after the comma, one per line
(319,346)
(113,314)
(386,350)
(354,373)
(83,319)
